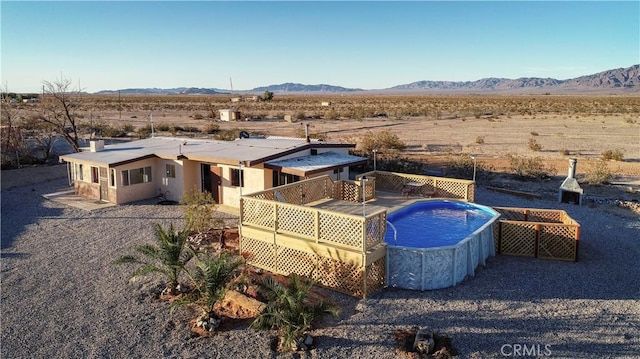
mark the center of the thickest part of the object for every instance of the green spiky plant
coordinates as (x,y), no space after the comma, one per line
(289,310)
(211,277)
(169,256)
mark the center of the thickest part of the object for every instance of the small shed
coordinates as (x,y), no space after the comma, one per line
(229,115)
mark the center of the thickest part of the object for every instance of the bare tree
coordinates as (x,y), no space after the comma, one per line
(60,102)
(12,145)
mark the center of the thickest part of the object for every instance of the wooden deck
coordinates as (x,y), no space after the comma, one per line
(384,201)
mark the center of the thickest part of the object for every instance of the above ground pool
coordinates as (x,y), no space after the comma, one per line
(434,244)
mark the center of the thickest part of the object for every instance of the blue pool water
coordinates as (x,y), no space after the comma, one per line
(432,224)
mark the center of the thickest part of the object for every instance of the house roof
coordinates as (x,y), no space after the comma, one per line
(311,164)
(251,151)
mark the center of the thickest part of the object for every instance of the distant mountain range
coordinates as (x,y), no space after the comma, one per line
(616,80)
(295,87)
(171,91)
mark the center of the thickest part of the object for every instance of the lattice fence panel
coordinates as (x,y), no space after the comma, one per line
(317,189)
(389,182)
(349,191)
(267,195)
(375,228)
(375,276)
(471,195)
(546,216)
(258,212)
(558,242)
(341,229)
(289,261)
(291,194)
(341,276)
(258,253)
(449,189)
(299,220)
(511,214)
(518,238)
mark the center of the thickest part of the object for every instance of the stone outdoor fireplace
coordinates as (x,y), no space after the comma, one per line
(570,191)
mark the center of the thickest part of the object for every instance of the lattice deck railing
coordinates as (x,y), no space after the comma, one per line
(432,186)
(342,251)
(541,233)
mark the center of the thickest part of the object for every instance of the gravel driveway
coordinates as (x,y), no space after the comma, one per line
(63,298)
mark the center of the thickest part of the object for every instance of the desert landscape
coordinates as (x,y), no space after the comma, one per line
(83,307)
(431,126)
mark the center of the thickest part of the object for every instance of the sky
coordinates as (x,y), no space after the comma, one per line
(362,44)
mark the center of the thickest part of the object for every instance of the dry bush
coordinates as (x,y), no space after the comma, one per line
(461,166)
(615,155)
(480,140)
(383,140)
(211,128)
(532,168)
(534,145)
(599,174)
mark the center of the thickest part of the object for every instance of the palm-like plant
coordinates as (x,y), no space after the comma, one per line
(212,275)
(289,310)
(169,257)
(211,278)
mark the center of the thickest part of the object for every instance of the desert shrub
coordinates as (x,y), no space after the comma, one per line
(384,140)
(199,210)
(227,135)
(534,133)
(480,140)
(211,128)
(564,152)
(300,116)
(128,128)
(393,162)
(615,155)
(144,132)
(599,174)
(109,131)
(534,145)
(163,127)
(191,129)
(461,166)
(197,116)
(533,168)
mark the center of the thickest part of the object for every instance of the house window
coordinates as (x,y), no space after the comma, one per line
(280,178)
(94,175)
(338,171)
(135,176)
(237,177)
(112,178)
(171,171)
(79,170)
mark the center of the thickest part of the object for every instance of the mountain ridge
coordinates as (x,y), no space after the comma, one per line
(617,80)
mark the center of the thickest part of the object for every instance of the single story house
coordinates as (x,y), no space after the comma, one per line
(170,166)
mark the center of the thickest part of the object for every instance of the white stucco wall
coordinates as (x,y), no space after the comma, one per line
(172,188)
(139,191)
(254,181)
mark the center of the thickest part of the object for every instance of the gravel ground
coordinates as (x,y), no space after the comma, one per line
(62,297)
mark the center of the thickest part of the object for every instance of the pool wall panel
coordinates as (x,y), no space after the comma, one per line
(436,268)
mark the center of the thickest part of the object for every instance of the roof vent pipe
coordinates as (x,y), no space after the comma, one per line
(306,132)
